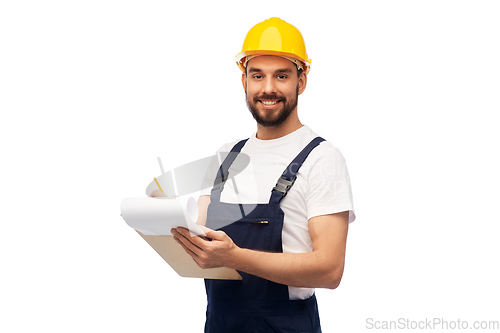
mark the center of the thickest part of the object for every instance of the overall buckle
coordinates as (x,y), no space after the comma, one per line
(283,185)
(219,184)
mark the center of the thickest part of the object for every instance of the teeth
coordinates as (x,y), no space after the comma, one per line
(269,102)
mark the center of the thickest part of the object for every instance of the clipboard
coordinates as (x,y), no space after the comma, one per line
(183,263)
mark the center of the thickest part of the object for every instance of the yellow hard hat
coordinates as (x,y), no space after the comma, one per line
(274,37)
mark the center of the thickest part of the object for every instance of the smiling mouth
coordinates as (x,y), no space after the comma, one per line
(270,103)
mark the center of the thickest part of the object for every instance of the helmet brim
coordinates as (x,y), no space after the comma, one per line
(240,58)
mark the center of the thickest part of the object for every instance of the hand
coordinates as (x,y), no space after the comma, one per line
(220,252)
(157,193)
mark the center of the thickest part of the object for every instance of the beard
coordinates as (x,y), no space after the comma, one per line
(271,118)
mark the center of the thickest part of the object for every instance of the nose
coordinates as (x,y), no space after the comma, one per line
(269,86)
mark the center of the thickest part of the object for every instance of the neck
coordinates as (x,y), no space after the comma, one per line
(291,124)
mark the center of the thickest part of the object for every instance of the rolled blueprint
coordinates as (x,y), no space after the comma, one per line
(157,216)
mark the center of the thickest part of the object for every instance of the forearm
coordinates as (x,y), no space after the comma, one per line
(321,268)
(312,269)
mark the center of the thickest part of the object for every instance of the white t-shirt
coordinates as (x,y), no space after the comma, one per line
(322,186)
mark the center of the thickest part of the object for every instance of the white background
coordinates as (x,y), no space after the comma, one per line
(91,92)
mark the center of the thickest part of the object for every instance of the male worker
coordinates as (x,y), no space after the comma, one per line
(291,228)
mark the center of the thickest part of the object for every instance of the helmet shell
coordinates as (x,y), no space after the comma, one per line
(274,36)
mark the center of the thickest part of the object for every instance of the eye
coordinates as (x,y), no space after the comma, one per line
(282,77)
(257,77)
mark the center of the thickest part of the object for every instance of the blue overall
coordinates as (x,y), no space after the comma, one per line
(254,304)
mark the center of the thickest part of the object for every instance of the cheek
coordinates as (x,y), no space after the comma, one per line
(289,94)
(252,88)
(288,89)
(251,93)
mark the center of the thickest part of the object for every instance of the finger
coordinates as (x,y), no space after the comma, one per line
(204,229)
(215,234)
(197,263)
(186,249)
(186,244)
(196,240)
(157,193)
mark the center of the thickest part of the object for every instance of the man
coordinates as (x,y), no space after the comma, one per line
(286,235)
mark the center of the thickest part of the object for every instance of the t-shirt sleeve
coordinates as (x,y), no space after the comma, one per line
(329,186)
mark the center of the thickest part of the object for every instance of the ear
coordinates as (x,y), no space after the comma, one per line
(244,81)
(302,82)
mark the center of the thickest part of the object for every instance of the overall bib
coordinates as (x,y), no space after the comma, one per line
(254,304)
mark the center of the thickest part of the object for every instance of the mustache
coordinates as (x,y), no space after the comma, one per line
(270,97)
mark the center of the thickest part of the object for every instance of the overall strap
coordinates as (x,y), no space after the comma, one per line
(288,177)
(222,174)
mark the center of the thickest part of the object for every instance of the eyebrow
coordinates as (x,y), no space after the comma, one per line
(281,70)
(253,69)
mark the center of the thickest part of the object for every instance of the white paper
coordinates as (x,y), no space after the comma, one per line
(157,216)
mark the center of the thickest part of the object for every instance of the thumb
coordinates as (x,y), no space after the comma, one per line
(214,234)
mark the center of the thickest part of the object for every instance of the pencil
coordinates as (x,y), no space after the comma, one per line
(158,185)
